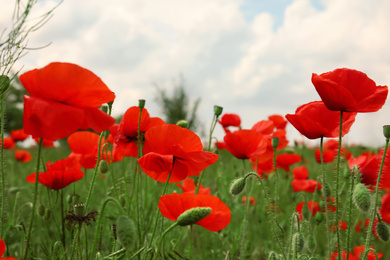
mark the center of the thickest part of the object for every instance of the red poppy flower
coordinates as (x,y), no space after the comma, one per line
(368,168)
(228,120)
(331,204)
(327,155)
(245,144)
(45,142)
(265,127)
(23,156)
(252,200)
(189,186)
(305,185)
(173,205)
(367,223)
(358,252)
(64,98)
(314,120)
(285,160)
(171,148)
(8,143)
(358,227)
(385,208)
(125,134)
(269,130)
(220,145)
(263,167)
(58,175)
(19,135)
(2,247)
(300,173)
(342,226)
(349,90)
(313,208)
(84,146)
(279,121)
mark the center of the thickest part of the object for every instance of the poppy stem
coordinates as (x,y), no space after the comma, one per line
(350,212)
(2,220)
(27,245)
(138,193)
(325,195)
(161,238)
(372,218)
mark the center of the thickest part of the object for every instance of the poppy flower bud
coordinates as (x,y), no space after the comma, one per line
(4,83)
(182,123)
(237,186)
(386,131)
(103,167)
(305,211)
(47,215)
(298,242)
(275,142)
(125,229)
(327,190)
(218,110)
(79,209)
(193,215)
(382,231)
(361,197)
(310,242)
(141,103)
(41,210)
(319,217)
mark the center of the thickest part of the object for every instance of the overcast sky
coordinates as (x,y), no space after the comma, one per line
(253,58)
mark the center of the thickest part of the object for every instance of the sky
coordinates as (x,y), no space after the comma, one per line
(253,58)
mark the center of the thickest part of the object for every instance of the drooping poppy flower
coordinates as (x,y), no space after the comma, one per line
(228,120)
(349,90)
(313,208)
(173,205)
(252,200)
(314,120)
(173,149)
(19,135)
(125,134)
(189,186)
(8,143)
(279,121)
(64,98)
(23,156)
(245,144)
(59,174)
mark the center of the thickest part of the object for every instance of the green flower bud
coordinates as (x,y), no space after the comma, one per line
(218,110)
(237,186)
(41,210)
(361,197)
(298,242)
(386,131)
(182,123)
(319,217)
(126,231)
(141,103)
(275,142)
(79,209)
(103,167)
(382,231)
(193,215)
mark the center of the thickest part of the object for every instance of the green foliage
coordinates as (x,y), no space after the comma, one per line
(177,106)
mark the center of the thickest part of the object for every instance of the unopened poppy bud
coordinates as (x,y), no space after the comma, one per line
(237,186)
(41,210)
(79,209)
(382,230)
(47,214)
(310,242)
(327,190)
(141,103)
(218,110)
(182,123)
(4,83)
(193,215)
(275,142)
(125,229)
(298,241)
(361,197)
(103,167)
(386,131)
(305,211)
(319,217)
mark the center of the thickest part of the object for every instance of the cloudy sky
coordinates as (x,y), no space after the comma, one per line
(252,57)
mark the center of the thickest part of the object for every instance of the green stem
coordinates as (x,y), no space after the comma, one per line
(350,214)
(337,186)
(369,231)
(27,246)
(325,196)
(2,220)
(138,178)
(161,238)
(367,251)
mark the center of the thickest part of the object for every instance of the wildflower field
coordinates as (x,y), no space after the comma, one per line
(144,189)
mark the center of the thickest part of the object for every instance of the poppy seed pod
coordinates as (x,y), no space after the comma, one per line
(193,215)
(275,142)
(386,131)
(126,232)
(218,110)
(237,186)
(382,231)
(141,103)
(79,209)
(361,197)
(182,123)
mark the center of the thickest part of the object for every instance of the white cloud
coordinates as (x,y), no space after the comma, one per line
(244,65)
